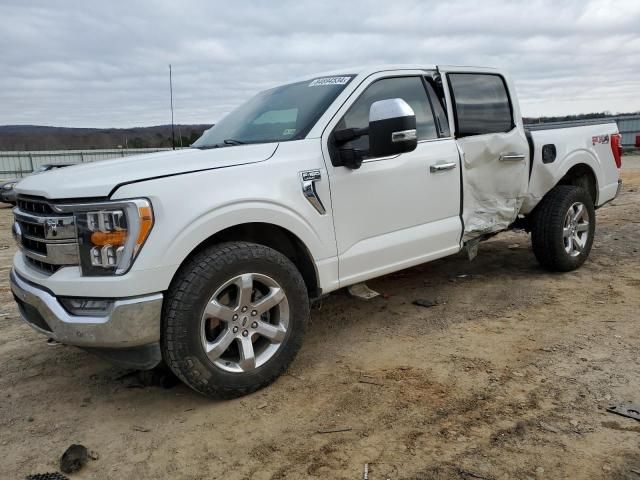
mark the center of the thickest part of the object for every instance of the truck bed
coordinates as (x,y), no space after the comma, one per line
(569,124)
(589,143)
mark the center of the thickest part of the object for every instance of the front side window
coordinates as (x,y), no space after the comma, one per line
(283,113)
(481,103)
(410,89)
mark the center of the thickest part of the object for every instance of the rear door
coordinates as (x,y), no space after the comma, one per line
(495,153)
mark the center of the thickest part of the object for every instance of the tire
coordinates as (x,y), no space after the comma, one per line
(563,228)
(214,304)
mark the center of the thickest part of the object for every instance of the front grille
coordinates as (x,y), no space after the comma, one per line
(32,229)
(34,205)
(34,245)
(47,238)
(42,266)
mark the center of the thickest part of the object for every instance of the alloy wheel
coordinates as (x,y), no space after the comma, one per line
(245,322)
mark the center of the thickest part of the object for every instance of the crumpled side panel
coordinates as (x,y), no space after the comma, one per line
(489,216)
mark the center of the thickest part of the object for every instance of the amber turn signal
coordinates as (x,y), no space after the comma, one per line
(146,222)
(116,238)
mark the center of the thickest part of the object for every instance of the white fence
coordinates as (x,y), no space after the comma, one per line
(20,164)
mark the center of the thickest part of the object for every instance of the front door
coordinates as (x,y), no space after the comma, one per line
(399,211)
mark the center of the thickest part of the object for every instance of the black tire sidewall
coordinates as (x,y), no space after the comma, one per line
(547,238)
(191,362)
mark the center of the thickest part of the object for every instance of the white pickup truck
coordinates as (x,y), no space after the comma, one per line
(208,258)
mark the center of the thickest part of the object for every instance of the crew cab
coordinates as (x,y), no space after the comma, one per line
(208,258)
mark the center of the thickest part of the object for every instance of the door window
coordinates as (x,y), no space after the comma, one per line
(410,89)
(438,111)
(481,103)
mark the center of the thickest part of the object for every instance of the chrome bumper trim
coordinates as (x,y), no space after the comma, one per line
(130,322)
(57,253)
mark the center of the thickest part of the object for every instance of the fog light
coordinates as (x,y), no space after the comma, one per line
(87,307)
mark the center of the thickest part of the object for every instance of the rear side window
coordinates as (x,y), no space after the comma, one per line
(481,103)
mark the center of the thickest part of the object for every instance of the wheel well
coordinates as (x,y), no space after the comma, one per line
(275,237)
(581,175)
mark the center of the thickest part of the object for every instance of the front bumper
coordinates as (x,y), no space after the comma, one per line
(129,323)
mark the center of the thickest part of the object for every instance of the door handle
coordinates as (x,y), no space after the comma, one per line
(512,157)
(441,167)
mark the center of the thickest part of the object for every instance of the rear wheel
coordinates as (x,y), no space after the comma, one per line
(563,227)
(234,319)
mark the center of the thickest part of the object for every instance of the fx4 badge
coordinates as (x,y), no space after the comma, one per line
(311,175)
(600,139)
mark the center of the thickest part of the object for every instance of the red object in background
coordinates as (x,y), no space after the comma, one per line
(616,148)
(637,141)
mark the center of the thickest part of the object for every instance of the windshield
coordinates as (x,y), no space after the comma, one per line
(283,113)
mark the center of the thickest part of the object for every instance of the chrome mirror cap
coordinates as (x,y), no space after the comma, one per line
(389,108)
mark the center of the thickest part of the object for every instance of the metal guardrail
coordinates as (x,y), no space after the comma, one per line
(19,164)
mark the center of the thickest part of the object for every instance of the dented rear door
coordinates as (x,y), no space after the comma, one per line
(494,149)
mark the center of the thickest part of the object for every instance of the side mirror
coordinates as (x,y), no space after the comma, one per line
(392,128)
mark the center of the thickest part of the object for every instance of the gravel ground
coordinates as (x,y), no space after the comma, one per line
(508,377)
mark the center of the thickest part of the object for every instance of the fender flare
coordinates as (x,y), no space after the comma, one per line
(584,157)
(547,176)
(230,215)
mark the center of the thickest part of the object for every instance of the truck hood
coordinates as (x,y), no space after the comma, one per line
(98,179)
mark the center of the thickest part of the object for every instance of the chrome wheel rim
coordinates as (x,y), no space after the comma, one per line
(245,322)
(575,233)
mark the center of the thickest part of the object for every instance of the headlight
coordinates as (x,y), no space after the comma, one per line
(9,186)
(111,234)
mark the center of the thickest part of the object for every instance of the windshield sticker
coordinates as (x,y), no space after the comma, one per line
(319,82)
(288,131)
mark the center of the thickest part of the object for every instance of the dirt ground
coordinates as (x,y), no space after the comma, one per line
(507,378)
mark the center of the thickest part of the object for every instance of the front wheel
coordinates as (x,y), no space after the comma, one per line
(234,319)
(563,227)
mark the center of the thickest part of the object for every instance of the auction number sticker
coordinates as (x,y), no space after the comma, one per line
(319,82)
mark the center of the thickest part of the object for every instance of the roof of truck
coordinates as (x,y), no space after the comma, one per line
(366,70)
(369,69)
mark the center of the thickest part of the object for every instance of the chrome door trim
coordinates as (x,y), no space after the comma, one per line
(512,157)
(404,135)
(442,167)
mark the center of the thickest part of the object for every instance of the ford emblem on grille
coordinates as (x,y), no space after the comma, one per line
(52,227)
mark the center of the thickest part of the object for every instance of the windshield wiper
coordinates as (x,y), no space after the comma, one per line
(228,141)
(208,147)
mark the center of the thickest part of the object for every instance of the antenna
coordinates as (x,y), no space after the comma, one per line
(173,135)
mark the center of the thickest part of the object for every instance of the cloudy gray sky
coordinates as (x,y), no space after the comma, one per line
(104,63)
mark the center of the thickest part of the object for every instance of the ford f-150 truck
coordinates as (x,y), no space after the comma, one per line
(208,258)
